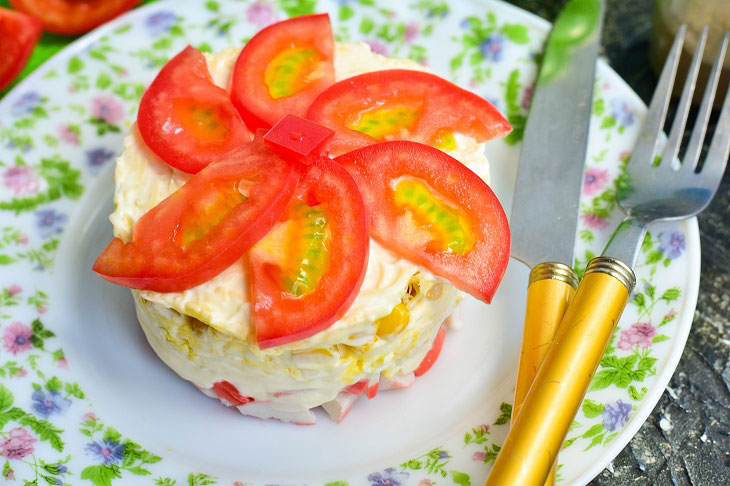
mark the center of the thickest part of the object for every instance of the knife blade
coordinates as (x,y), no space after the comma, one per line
(546,203)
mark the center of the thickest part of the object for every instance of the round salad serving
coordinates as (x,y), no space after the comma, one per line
(298,219)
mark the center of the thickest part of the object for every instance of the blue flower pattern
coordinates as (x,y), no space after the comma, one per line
(493,47)
(25,104)
(49,222)
(615,416)
(621,112)
(160,23)
(389,477)
(49,403)
(106,451)
(672,244)
(97,157)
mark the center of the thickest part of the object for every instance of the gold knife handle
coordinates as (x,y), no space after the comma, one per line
(551,287)
(541,424)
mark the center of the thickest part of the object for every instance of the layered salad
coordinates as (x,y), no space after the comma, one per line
(298,219)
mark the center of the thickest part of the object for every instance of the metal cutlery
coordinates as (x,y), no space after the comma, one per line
(657,189)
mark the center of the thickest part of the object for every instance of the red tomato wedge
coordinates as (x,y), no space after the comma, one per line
(205,226)
(432,354)
(400,104)
(297,138)
(226,391)
(307,271)
(19,34)
(432,210)
(185,119)
(282,69)
(73,16)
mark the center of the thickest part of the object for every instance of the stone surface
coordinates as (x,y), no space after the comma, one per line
(686,439)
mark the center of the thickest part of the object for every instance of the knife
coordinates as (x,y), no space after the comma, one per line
(546,202)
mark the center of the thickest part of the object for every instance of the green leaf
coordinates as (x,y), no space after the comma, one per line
(73,389)
(124,28)
(103,81)
(608,122)
(113,435)
(345,13)
(517,33)
(660,338)
(97,54)
(7,260)
(366,25)
(596,429)
(138,471)
(167,482)
(596,440)
(212,5)
(568,443)
(200,479)
(295,8)
(456,62)
(672,294)
(599,107)
(592,409)
(205,47)
(654,257)
(74,65)
(505,414)
(639,300)
(634,394)
(337,483)
(45,430)
(603,379)
(6,398)
(460,478)
(176,31)
(101,475)
(650,289)
(54,384)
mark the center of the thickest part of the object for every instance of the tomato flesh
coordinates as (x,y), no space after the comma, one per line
(205,226)
(19,33)
(186,119)
(282,69)
(297,138)
(307,271)
(72,17)
(432,210)
(432,354)
(400,104)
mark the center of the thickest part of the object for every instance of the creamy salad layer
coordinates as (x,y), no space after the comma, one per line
(205,333)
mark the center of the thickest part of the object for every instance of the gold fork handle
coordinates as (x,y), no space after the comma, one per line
(541,424)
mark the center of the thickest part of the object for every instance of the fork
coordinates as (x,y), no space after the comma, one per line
(658,188)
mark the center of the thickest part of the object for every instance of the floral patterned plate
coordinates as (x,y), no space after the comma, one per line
(83,400)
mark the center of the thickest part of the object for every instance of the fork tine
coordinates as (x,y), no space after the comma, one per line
(720,147)
(680,119)
(654,122)
(694,148)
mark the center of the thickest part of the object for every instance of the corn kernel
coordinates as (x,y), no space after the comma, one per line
(394,322)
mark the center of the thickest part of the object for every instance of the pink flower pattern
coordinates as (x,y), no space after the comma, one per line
(594,180)
(260,14)
(107,108)
(593,221)
(14,289)
(17,338)
(68,134)
(21,180)
(412,31)
(639,334)
(378,47)
(17,444)
(479,456)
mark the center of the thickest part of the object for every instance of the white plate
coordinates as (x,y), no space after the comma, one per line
(84,400)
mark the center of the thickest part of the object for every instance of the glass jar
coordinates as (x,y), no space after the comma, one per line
(669,15)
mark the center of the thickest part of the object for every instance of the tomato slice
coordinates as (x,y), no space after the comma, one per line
(229,393)
(432,354)
(19,34)
(205,226)
(187,120)
(428,207)
(282,69)
(307,271)
(400,104)
(73,16)
(297,138)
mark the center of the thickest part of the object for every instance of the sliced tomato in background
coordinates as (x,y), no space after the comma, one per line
(432,210)
(400,104)
(186,119)
(433,353)
(205,226)
(19,33)
(73,16)
(297,138)
(282,69)
(307,271)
